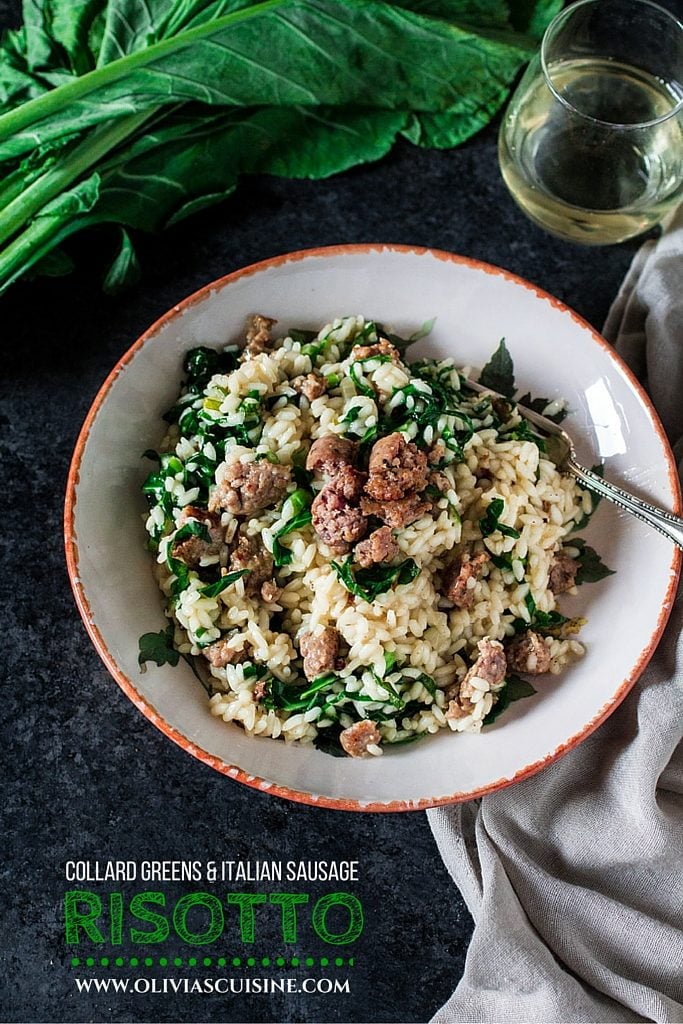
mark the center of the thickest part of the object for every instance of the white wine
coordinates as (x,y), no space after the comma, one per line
(586,161)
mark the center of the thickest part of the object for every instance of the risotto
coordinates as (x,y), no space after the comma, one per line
(355,550)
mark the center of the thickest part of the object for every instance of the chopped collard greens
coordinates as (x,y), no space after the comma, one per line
(330,523)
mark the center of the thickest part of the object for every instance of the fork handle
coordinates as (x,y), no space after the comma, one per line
(666,522)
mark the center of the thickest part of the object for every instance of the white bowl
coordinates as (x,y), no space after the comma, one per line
(556,354)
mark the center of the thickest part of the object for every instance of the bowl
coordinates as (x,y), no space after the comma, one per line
(556,354)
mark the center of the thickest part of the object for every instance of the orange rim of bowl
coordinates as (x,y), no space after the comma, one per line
(265,785)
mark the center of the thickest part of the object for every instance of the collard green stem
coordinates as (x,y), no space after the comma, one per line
(97,144)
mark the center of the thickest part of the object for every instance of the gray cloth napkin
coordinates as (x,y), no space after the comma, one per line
(575,876)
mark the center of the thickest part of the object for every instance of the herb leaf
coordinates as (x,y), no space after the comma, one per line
(158,647)
(214,589)
(591,568)
(499,372)
(489,523)
(377,579)
(515,688)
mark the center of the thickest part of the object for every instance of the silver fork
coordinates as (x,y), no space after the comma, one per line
(562,452)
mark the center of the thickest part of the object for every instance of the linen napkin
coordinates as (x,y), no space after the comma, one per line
(575,876)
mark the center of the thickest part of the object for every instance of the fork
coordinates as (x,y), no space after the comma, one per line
(561,451)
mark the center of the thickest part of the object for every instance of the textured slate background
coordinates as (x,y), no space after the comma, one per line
(86,776)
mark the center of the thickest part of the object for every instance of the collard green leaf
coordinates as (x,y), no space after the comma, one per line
(499,372)
(282,53)
(158,647)
(125,269)
(515,688)
(235,87)
(370,583)
(591,567)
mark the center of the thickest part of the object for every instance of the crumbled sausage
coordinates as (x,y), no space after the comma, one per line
(529,654)
(260,690)
(248,487)
(320,652)
(270,591)
(456,581)
(397,513)
(379,547)
(490,666)
(310,385)
(348,482)
(193,549)
(223,652)
(563,572)
(337,521)
(329,453)
(397,467)
(249,553)
(381,348)
(258,334)
(436,453)
(440,481)
(358,737)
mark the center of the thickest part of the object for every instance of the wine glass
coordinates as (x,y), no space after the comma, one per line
(591,146)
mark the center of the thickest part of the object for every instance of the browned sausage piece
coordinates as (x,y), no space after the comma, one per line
(260,690)
(338,523)
(456,585)
(529,654)
(248,487)
(320,652)
(380,348)
(193,549)
(397,468)
(249,553)
(329,453)
(379,547)
(258,334)
(563,572)
(270,591)
(310,385)
(358,737)
(219,654)
(490,666)
(397,513)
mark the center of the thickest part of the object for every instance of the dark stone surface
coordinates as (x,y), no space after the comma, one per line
(86,776)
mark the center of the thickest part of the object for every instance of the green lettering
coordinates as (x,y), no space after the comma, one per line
(246,901)
(338,899)
(216,920)
(288,901)
(116,917)
(75,919)
(139,910)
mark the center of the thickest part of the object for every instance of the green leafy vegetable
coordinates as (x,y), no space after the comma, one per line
(499,372)
(591,568)
(175,565)
(489,523)
(539,405)
(377,579)
(514,689)
(158,647)
(300,502)
(545,623)
(125,270)
(140,114)
(214,589)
